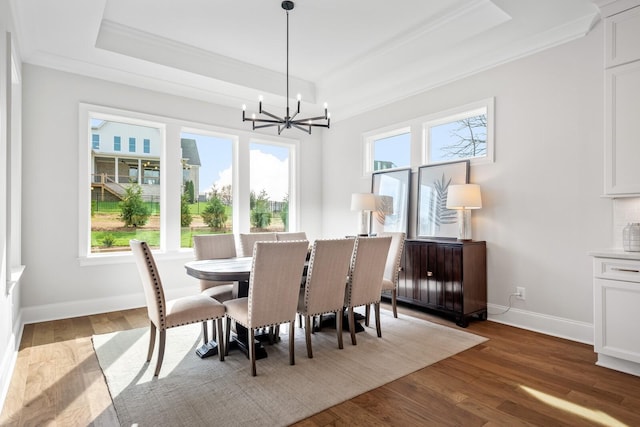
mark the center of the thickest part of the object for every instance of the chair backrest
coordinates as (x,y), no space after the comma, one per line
(367,270)
(291,235)
(274,284)
(327,275)
(213,246)
(247,240)
(392,267)
(151,283)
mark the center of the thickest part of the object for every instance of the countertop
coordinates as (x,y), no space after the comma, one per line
(615,253)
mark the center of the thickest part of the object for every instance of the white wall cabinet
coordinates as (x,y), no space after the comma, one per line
(622,105)
(616,302)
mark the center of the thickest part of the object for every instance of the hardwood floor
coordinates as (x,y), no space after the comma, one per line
(516,378)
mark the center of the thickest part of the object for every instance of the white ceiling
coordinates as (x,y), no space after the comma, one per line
(354,54)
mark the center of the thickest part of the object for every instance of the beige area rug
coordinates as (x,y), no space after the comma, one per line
(206,392)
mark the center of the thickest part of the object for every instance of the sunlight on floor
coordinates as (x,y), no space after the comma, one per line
(592,415)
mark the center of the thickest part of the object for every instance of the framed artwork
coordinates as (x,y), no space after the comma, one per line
(434,219)
(392,190)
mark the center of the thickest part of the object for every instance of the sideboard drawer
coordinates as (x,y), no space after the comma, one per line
(617,269)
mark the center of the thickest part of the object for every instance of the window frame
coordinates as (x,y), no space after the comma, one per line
(171,179)
(455,114)
(369,139)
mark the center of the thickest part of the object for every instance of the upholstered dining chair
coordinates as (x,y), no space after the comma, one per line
(326,282)
(165,314)
(214,246)
(365,278)
(274,286)
(284,236)
(391,269)
(248,239)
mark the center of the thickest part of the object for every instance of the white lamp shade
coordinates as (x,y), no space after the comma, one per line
(363,202)
(464,196)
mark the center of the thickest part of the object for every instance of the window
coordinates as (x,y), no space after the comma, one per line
(269,196)
(388,149)
(132,145)
(146,146)
(121,209)
(207,185)
(227,161)
(95,141)
(462,133)
(116,143)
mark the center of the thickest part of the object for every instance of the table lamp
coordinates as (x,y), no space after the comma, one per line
(463,198)
(365,203)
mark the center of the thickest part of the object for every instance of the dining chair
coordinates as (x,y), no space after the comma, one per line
(274,286)
(165,314)
(365,278)
(248,239)
(326,282)
(391,270)
(214,246)
(283,236)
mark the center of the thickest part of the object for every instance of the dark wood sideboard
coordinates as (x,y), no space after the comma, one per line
(447,276)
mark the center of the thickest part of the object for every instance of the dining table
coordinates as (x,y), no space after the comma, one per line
(238,270)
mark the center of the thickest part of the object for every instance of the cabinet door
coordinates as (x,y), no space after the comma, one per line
(441,286)
(615,318)
(410,287)
(622,141)
(622,32)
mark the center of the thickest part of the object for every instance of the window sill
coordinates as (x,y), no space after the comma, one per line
(127,257)
(14,279)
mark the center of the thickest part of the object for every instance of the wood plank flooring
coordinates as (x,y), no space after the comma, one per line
(517,378)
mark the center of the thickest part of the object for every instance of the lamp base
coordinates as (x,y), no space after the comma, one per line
(464,224)
(363,223)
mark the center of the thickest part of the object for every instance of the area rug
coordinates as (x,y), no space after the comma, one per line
(206,392)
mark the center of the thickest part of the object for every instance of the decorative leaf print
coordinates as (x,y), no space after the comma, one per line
(439,214)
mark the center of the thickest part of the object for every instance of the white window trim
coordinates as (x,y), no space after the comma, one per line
(170,239)
(369,139)
(458,113)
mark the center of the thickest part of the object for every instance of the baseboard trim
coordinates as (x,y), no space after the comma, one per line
(546,324)
(621,365)
(65,310)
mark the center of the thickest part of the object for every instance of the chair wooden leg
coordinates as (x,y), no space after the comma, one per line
(227,334)
(352,326)
(163,338)
(214,336)
(292,338)
(252,352)
(319,323)
(394,294)
(300,319)
(221,344)
(307,335)
(152,340)
(377,309)
(367,309)
(205,332)
(339,317)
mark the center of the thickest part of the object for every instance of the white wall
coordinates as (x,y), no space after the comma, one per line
(542,211)
(54,284)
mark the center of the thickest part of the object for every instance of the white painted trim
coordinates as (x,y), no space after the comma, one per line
(9,360)
(621,365)
(543,323)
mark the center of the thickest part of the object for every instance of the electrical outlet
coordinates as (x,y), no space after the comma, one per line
(520,293)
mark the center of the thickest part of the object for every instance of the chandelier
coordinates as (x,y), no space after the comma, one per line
(288,121)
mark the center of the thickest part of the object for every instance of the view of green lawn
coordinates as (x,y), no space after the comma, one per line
(108,233)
